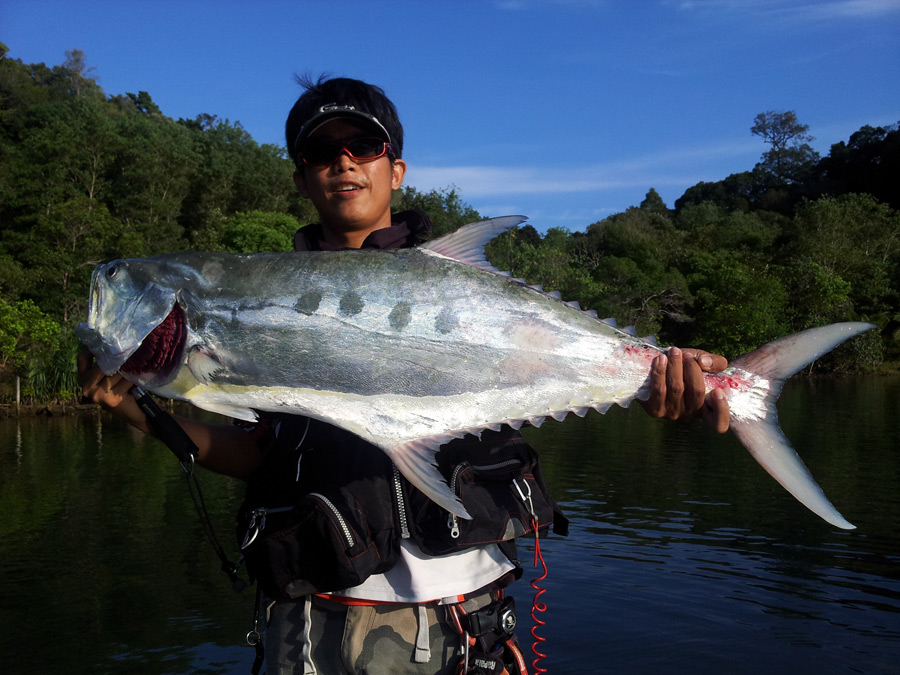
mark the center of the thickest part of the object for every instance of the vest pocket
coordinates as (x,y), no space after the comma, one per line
(314,547)
(502,489)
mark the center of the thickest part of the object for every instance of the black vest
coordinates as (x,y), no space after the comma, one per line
(326,509)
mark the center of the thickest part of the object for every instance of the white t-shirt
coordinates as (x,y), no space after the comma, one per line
(418,577)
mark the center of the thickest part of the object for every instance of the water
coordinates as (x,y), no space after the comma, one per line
(684,556)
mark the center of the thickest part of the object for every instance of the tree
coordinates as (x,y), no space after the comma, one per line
(790,153)
(857,239)
(25,331)
(632,261)
(259,231)
(869,162)
(76,67)
(738,307)
(445,208)
(653,202)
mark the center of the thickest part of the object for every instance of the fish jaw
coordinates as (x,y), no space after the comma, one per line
(122,314)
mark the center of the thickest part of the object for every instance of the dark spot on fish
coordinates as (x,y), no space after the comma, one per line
(351,303)
(197,321)
(446,321)
(400,316)
(309,302)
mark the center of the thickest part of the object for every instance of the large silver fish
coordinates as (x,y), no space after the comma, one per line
(407,349)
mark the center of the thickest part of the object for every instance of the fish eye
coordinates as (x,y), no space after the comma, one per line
(112,271)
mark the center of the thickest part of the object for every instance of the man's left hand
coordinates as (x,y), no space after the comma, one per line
(677,389)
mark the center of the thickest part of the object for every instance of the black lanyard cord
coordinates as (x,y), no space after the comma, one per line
(167,430)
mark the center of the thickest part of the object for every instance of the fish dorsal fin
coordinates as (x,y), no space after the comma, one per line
(466,245)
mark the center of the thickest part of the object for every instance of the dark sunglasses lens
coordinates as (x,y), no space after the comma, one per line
(320,153)
(366,148)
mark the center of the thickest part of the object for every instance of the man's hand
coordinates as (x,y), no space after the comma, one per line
(223,448)
(110,391)
(677,390)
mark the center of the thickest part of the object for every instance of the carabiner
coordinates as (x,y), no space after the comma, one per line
(526,498)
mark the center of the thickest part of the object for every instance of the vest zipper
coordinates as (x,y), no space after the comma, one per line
(348,535)
(401,504)
(452,520)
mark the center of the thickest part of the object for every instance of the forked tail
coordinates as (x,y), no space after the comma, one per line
(763,437)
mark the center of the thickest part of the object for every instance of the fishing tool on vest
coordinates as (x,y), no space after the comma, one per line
(167,430)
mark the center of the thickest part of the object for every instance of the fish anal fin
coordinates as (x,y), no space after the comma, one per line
(416,461)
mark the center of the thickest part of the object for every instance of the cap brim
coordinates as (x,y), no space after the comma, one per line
(361,119)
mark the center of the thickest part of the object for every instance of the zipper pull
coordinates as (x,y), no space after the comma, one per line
(453,524)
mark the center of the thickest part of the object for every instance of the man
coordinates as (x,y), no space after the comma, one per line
(411,613)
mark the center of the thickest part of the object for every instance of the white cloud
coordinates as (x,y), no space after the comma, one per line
(796,11)
(675,167)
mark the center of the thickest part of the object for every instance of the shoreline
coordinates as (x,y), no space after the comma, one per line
(47,409)
(61,409)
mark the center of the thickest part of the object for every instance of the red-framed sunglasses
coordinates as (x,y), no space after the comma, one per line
(321,153)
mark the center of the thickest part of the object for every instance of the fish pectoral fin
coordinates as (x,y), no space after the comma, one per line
(203,363)
(415,460)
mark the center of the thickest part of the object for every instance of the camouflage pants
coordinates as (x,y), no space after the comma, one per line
(316,636)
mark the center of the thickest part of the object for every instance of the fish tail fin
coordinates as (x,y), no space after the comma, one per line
(763,436)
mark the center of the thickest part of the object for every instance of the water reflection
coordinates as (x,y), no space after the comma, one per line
(684,557)
(684,552)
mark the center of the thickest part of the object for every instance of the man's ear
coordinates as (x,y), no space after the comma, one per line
(398,172)
(300,182)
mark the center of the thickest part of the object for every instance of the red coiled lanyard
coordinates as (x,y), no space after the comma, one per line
(537,607)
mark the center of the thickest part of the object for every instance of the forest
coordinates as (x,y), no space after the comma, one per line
(794,242)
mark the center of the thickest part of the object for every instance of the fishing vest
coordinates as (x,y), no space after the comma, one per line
(327,509)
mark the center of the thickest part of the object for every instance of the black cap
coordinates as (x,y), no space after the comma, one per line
(332,111)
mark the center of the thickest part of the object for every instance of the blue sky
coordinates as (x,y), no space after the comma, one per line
(562,110)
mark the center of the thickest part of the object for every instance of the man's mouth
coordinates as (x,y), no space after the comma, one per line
(348,188)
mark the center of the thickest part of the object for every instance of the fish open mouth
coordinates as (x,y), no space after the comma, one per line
(159,351)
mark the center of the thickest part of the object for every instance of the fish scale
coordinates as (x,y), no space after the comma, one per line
(410,349)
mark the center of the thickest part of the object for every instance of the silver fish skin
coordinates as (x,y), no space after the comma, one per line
(411,348)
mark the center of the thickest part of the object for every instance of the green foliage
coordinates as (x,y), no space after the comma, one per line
(25,332)
(738,307)
(54,375)
(444,207)
(790,157)
(869,162)
(653,202)
(792,243)
(259,231)
(632,258)
(857,239)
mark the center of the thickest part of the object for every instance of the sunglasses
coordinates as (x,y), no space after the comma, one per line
(321,153)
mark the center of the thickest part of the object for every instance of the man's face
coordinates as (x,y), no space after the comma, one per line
(351,196)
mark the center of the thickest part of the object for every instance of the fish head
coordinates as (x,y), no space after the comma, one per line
(135,324)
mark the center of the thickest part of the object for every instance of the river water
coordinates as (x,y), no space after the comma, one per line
(684,556)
